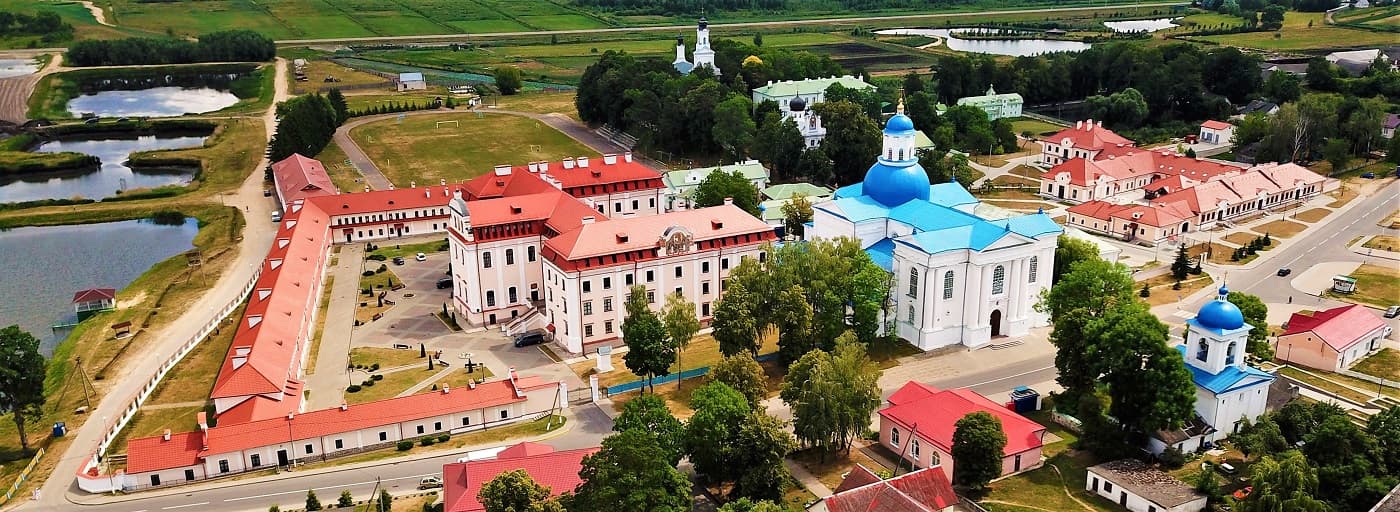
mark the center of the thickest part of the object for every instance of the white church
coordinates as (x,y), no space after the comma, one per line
(704,56)
(960,277)
(1228,391)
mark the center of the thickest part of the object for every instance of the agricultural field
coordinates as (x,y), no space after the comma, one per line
(423,150)
(1304,30)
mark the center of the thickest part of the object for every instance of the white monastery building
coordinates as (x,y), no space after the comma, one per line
(959,278)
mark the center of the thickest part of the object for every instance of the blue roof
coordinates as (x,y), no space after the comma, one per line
(1032,225)
(894,185)
(410,77)
(683,67)
(1229,379)
(882,253)
(976,236)
(852,190)
(899,124)
(1220,314)
(950,194)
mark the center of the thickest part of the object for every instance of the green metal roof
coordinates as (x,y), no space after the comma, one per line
(990,97)
(810,86)
(788,190)
(922,141)
(685,180)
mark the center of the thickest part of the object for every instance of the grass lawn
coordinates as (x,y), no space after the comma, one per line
(411,504)
(323,304)
(152,422)
(386,357)
(377,282)
(831,471)
(1392,222)
(1304,30)
(409,250)
(397,382)
(1375,285)
(1240,238)
(226,157)
(1027,171)
(1342,196)
(1326,384)
(1163,293)
(1313,215)
(342,173)
(486,437)
(1045,489)
(1384,364)
(318,70)
(191,380)
(1280,228)
(1383,242)
(416,150)
(1012,180)
(1219,254)
(541,102)
(1037,127)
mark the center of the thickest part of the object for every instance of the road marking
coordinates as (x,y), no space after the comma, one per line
(330,486)
(183,506)
(1022,374)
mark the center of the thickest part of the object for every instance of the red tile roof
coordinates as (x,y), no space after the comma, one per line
(925,490)
(645,232)
(299,177)
(524,449)
(1132,163)
(155,453)
(936,412)
(1216,125)
(558,471)
(582,177)
(93,294)
(1089,135)
(1339,327)
(374,201)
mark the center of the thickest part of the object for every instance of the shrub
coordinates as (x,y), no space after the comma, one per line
(353,388)
(377,257)
(1172,458)
(1145,292)
(444,438)
(381,269)
(367,382)
(404,446)
(426,441)
(374,367)
(376,377)
(367,273)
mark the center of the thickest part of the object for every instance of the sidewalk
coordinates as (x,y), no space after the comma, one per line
(1366,251)
(331,374)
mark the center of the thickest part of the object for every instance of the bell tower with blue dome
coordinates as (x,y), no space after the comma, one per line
(896,178)
(1217,337)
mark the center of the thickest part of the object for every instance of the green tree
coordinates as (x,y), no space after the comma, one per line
(797,212)
(515,491)
(1283,483)
(733,128)
(305,125)
(1393,150)
(681,325)
(1148,383)
(734,324)
(1272,18)
(1181,266)
(346,500)
(832,395)
(913,83)
(508,79)
(1280,88)
(1337,151)
(742,373)
(851,139)
(1087,293)
(720,185)
(649,351)
(779,144)
(1069,250)
(1260,438)
(338,104)
(760,445)
(1254,127)
(630,472)
(1338,442)
(312,503)
(745,505)
(1385,428)
(386,501)
(1255,314)
(719,413)
(817,167)
(978,441)
(1207,485)
(22,373)
(648,413)
(923,111)
(1321,75)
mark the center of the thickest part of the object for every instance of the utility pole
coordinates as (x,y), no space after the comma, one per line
(87,386)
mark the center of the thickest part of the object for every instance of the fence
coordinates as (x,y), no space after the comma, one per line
(693,372)
(23,475)
(135,402)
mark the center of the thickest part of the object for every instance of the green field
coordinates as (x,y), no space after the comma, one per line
(418,150)
(1298,35)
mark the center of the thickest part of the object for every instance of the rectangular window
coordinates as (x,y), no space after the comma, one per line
(155,480)
(617,207)
(309,450)
(505,414)
(705,309)
(607,304)
(678,271)
(651,202)
(530,253)
(607,283)
(704,267)
(679,292)
(486,259)
(608,327)
(634,204)
(420,429)
(587,307)
(651,276)
(466,422)
(651,297)
(587,330)
(223,466)
(437,425)
(627,279)
(705,288)
(510,256)
(254,460)
(587,286)
(724,263)
(383,436)
(339,444)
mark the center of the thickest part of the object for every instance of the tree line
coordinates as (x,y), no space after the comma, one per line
(695,7)
(225,46)
(305,124)
(44,23)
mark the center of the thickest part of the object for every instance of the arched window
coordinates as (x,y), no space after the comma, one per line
(948,284)
(1230,353)
(490,298)
(894,436)
(913,282)
(1035,264)
(530,253)
(998,280)
(1202,350)
(914,448)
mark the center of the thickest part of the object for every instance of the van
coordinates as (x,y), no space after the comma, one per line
(445,282)
(529,338)
(276,216)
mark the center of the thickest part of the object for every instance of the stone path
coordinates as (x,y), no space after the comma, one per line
(328,380)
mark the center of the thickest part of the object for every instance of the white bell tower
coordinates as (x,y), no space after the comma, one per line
(704,56)
(1217,336)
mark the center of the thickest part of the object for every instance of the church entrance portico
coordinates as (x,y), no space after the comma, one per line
(996,322)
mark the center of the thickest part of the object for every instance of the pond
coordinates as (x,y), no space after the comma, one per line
(48,264)
(1011,47)
(17,67)
(1151,25)
(155,95)
(104,180)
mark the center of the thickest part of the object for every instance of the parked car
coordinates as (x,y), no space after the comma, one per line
(1284,271)
(430,482)
(1226,468)
(93,120)
(276,216)
(267,192)
(398,260)
(445,282)
(529,338)
(420,257)
(1243,493)
(1368,175)
(1392,312)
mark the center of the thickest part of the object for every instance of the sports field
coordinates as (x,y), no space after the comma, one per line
(422,150)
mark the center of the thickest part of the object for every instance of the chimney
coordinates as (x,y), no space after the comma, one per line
(412,184)
(291,415)
(627,157)
(622,238)
(428,193)
(729,201)
(610,158)
(166,435)
(471,384)
(344,406)
(503,170)
(1089,125)
(446,389)
(582,161)
(588,219)
(568,162)
(366,188)
(442,181)
(203,419)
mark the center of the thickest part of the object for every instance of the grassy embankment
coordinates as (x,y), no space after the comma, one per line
(15,159)
(53,92)
(72,13)
(1303,31)
(417,150)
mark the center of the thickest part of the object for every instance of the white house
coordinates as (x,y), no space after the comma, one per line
(411,82)
(958,277)
(997,106)
(1141,488)
(812,91)
(1217,132)
(681,184)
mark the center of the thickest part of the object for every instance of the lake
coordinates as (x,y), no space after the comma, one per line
(104,180)
(154,102)
(17,67)
(1011,47)
(1152,25)
(46,265)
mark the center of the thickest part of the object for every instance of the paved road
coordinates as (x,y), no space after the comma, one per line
(753,24)
(14,91)
(257,238)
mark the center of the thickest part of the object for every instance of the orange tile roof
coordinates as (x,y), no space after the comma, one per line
(645,232)
(596,178)
(385,200)
(155,453)
(1216,125)
(559,471)
(1089,135)
(936,411)
(925,490)
(1135,162)
(299,177)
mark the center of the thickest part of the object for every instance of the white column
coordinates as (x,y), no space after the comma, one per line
(1013,290)
(984,285)
(933,297)
(971,293)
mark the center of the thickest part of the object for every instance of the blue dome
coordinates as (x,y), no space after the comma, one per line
(1220,314)
(895,185)
(899,124)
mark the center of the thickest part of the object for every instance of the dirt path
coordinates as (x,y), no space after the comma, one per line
(15,91)
(97,13)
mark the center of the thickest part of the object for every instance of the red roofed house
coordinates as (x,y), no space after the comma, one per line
(1217,132)
(298,177)
(1131,222)
(238,446)
(1331,340)
(1125,170)
(1086,140)
(93,300)
(919,425)
(924,490)
(462,481)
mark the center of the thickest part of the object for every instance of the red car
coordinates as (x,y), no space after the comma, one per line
(1243,493)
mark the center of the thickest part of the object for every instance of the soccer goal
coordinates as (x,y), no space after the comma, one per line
(441,124)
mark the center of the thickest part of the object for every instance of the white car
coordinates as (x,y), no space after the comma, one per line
(421,257)
(430,482)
